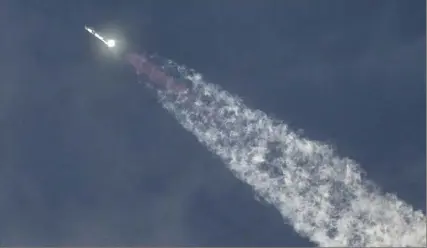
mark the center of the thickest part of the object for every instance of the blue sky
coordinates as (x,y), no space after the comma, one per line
(88,157)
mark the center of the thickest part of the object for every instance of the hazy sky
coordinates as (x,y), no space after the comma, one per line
(88,157)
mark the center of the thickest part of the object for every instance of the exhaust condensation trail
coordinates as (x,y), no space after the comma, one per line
(323,196)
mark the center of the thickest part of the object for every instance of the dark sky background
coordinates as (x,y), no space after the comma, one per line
(88,157)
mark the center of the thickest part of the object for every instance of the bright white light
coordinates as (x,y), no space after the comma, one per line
(111,43)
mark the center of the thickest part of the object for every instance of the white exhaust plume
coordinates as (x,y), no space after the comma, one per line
(323,196)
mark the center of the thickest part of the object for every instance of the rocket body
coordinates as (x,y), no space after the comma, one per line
(108,43)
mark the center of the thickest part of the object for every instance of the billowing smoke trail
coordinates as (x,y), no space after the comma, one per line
(323,196)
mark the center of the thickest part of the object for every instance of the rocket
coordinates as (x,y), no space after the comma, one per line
(109,43)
